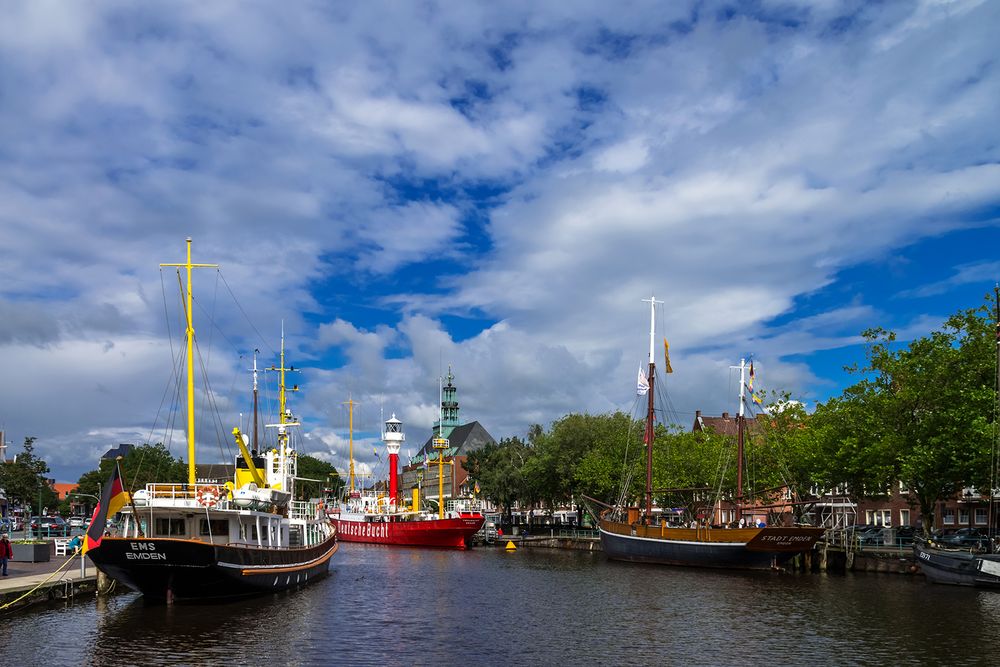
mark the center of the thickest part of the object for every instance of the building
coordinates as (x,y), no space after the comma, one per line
(421,471)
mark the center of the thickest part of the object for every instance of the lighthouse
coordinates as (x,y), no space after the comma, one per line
(393,437)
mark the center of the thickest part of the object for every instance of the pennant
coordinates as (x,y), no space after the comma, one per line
(642,385)
(750,385)
(113,498)
(757,399)
(376,452)
(667,368)
(476,489)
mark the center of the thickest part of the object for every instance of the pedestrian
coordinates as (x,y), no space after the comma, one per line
(6,553)
(76,543)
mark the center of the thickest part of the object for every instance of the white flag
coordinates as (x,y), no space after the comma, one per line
(643,386)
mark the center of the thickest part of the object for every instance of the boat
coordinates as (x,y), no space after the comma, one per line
(955,566)
(371,517)
(631,534)
(203,542)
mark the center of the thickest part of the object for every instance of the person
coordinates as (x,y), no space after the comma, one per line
(75,544)
(6,553)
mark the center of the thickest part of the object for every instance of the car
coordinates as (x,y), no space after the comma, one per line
(76,522)
(48,526)
(16,523)
(966,538)
(869,535)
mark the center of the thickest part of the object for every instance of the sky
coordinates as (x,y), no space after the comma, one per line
(491,187)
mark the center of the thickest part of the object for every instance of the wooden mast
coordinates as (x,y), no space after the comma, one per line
(650,407)
(192,478)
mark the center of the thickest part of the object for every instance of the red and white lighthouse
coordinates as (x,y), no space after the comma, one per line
(393,438)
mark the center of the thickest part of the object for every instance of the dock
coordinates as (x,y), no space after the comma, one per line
(30,583)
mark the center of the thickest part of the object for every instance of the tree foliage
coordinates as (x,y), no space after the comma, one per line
(24,480)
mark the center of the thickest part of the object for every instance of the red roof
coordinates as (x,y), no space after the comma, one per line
(63,488)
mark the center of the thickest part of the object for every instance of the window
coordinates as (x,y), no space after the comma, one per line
(948,516)
(963,516)
(170,527)
(903,489)
(980,516)
(904,517)
(219,527)
(884,518)
(248,532)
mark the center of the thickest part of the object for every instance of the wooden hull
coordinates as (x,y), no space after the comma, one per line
(182,570)
(453,533)
(743,548)
(958,568)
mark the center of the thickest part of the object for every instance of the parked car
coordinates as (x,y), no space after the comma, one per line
(869,535)
(904,535)
(49,526)
(16,523)
(966,538)
(75,522)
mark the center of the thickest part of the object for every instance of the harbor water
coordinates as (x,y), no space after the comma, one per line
(398,606)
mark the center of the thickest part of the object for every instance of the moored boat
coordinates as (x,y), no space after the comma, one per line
(196,542)
(384,518)
(629,534)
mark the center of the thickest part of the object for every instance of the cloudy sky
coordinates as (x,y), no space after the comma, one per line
(491,186)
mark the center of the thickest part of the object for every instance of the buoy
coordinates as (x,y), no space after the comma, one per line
(510,546)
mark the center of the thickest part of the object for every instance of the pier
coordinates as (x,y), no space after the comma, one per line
(60,578)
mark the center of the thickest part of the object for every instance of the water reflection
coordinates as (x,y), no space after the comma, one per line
(403,606)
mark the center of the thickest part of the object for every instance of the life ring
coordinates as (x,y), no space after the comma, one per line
(207,496)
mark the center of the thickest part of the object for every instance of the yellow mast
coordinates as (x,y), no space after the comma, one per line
(350,422)
(282,417)
(440,444)
(190,359)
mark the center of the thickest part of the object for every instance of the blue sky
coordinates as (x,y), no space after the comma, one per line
(494,187)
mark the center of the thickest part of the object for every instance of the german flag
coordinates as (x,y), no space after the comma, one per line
(113,498)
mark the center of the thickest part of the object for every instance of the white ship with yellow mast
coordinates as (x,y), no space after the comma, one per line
(202,542)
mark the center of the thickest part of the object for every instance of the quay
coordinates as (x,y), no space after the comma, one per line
(837,554)
(59,578)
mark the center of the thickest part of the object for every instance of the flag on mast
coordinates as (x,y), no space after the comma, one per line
(113,498)
(753,395)
(642,385)
(666,357)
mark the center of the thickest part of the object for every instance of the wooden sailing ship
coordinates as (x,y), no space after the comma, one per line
(631,534)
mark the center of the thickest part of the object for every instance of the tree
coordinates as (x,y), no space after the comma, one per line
(311,467)
(922,415)
(144,464)
(24,480)
(498,468)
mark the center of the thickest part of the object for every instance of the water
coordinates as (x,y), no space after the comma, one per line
(391,606)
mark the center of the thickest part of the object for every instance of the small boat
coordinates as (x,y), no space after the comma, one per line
(196,542)
(963,567)
(628,534)
(373,518)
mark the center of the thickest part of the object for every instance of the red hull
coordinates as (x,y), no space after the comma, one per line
(445,533)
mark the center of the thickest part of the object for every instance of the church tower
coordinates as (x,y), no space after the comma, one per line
(449,408)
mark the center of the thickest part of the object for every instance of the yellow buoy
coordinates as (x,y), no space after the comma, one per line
(510,546)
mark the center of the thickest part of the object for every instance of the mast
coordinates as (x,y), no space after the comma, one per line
(283,412)
(441,444)
(740,422)
(189,333)
(255,448)
(650,416)
(350,435)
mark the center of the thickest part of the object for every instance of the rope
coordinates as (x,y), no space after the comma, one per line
(42,583)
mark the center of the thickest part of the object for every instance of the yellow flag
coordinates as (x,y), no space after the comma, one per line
(666,357)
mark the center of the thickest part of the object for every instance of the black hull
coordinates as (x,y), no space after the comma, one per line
(175,570)
(751,549)
(958,568)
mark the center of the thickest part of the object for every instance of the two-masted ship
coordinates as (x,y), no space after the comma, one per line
(631,534)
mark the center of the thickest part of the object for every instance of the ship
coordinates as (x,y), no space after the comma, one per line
(631,533)
(977,568)
(205,542)
(371,517)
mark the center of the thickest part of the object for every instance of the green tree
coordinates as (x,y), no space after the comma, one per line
(922,414)
(24,480)
(144,464)
(498,468)
(310,467)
